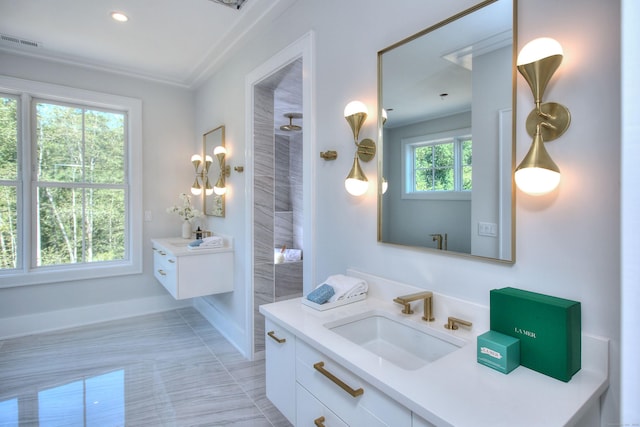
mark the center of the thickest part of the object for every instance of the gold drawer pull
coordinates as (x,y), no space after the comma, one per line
(172,261)
(162,253)
(319,422)
(354,393)
(162,272)
(272,334)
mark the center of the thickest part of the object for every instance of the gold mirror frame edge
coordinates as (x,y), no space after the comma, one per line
(514,75)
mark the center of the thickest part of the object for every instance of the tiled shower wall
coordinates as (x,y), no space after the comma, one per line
(263,209)
(277,209)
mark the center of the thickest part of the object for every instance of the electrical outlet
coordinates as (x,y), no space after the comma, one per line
(488,229)
(147,216)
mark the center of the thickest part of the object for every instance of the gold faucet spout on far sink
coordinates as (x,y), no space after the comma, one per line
(427,296)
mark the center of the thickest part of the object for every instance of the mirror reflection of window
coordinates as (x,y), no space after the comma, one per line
(440,165)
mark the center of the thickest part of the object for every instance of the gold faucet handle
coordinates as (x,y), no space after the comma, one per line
(453,322)
(406,305)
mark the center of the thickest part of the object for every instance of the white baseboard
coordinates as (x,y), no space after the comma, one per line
(18,326)
(218,320)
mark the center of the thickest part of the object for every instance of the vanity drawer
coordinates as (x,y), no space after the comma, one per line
(310,411)
(367,408)
(165,269)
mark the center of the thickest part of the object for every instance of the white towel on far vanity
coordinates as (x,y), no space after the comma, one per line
(212,242)
(345,286)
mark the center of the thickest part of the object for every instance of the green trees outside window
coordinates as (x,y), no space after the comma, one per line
(442,165)
(78,174)
(8,181)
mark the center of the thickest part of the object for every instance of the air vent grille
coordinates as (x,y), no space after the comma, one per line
(17,41)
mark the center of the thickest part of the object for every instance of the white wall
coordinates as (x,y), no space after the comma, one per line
(567,243)
(168,134)
(630,338)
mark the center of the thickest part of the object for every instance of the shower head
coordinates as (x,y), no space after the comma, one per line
(291,127)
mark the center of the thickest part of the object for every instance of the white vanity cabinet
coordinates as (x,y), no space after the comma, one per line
(280,349)
(304,385)
(189,273)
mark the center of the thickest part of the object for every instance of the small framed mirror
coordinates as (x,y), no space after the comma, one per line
(447,108)
(213,204)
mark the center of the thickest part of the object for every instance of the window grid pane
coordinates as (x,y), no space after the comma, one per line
(8,182)
(435,165)
(81,185)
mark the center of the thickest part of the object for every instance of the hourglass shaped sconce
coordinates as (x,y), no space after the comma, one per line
(538,174)
(202,178)
(356,182)
(225,170)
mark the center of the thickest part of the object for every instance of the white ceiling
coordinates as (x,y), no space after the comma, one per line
(174,41)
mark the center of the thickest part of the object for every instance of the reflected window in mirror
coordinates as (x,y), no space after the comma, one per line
(446,100)
(438,165)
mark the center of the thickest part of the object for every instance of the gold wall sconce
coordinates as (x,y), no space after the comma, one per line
(202,178)
(538,174)
(356,182)
(225,170)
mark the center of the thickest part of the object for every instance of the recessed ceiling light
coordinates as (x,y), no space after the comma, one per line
(119,16)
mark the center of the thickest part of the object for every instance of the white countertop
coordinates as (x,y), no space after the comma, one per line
(454,390)
(180,247)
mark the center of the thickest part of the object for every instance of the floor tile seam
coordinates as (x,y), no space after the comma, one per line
(224,365)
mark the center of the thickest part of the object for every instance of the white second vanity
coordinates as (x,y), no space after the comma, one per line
(189,273)
(319,376)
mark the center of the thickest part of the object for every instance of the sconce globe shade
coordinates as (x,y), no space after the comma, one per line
(220,191)
(196,158)
(208,158)
(196,191)
(355,107)
(219,150)
(356,187)
(538,49)
(537,181)
(208,191)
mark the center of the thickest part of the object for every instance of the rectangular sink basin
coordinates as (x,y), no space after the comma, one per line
(402,344)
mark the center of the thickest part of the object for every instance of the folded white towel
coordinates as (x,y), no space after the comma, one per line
(345,286)
(212,242)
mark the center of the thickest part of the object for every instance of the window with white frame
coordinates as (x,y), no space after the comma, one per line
(438,166)
(70,197)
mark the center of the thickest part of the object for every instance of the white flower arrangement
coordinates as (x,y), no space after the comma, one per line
(186,211)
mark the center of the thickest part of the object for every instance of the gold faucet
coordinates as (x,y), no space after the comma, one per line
(452,323)
(427,296)
(437,238)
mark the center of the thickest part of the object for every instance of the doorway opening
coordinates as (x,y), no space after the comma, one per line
(281,203)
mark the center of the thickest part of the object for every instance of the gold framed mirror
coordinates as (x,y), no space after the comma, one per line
(446,129)
(213,204)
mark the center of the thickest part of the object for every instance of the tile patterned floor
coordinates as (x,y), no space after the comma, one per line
(166,369)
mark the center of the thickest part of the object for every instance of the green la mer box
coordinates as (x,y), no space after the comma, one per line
(498,351)
(549,329)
